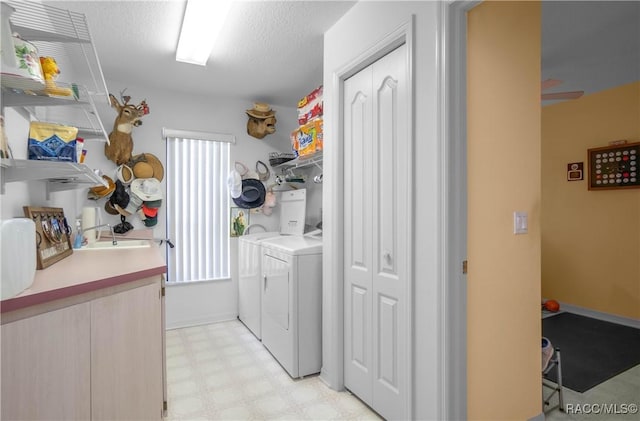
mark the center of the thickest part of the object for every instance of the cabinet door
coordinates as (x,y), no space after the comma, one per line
(46,366)
(127,356)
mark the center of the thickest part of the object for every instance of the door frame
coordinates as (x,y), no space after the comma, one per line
(453,207)
(333,294)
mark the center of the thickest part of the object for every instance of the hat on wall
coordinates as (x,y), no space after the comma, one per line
(124,174)
(99,192)
(146,165)
(119,197)
(234,183)
(132,207)
(261,110)
(253,194)
(148,189)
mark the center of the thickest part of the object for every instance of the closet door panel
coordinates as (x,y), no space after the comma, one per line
(391,227)
(357,234)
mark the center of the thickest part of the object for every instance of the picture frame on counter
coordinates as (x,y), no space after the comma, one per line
(53,234)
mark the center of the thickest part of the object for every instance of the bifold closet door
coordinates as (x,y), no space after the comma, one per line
(376,232)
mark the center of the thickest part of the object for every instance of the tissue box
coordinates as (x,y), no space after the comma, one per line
(52,142)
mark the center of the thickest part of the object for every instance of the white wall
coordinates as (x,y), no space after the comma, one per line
(348,39)
(176,110)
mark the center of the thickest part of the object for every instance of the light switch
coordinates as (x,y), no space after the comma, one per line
(520,223)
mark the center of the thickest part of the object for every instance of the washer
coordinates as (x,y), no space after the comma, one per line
(292,302)
(293,206)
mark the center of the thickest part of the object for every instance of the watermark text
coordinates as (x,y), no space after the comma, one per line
(601,408)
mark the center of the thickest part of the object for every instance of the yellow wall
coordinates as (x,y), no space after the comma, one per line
(503,312)
(590,239)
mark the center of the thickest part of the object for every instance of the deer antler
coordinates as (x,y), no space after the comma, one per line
(125,98)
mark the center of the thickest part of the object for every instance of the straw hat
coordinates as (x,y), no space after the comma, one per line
(261,110)
(146,165)
(99,192)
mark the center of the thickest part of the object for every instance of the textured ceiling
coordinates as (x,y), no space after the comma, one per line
(268,51)
(272,51)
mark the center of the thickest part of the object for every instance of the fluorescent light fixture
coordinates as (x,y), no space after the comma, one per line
(202,23)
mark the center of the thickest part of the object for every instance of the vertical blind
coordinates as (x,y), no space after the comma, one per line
(197,207)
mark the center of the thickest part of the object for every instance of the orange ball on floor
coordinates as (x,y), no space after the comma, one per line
(552,305)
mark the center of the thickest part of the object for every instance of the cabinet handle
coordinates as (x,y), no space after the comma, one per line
(387,257)
(265,281)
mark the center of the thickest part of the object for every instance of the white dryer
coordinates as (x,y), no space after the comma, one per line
(293,206)
(292,302)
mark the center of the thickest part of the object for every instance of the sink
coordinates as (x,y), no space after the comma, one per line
(122,244)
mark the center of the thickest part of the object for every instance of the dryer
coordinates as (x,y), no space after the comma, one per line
(292,302)
(293,206)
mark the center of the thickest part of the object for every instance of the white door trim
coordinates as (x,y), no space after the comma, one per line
(453,208)
(334,277)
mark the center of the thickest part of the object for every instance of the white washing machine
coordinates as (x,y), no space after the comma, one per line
(293,206)
(292,302)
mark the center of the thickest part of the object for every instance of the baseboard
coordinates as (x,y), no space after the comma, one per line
(179,324)
(539,417)
(594,314)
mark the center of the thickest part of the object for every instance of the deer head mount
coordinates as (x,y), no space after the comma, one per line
(120,146)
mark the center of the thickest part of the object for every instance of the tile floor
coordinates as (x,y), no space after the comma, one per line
(622,389)
(222,372)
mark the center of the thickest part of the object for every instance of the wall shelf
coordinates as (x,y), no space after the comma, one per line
(301,162)
(64,35)
(59,175)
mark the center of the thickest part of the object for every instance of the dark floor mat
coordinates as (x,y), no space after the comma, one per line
(591,350)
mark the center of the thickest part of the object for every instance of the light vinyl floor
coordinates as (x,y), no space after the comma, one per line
(222,371)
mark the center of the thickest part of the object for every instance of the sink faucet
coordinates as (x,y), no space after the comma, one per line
(113,235)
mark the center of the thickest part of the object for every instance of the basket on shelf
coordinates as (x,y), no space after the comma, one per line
(278,158)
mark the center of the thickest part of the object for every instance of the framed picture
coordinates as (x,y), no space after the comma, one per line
(614,167)
(575,171)
(53,234)
(239,221)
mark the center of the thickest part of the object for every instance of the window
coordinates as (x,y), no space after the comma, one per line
(197,205)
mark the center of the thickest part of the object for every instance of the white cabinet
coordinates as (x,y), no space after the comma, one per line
(100,359)
(46,366)
(377,234)
(126,355)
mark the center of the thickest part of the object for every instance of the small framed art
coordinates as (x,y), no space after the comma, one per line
(614,167)
(239,221)
(575,171)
